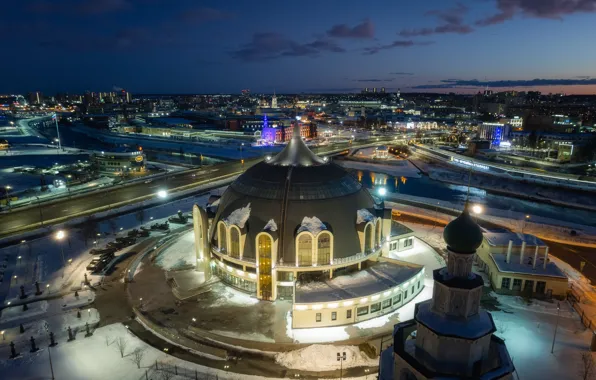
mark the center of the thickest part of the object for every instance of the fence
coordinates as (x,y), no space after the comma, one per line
(574,297)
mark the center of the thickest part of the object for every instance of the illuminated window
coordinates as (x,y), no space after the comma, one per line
(305,250)
(324,248)
(368,238)
(221,237)
(234,242)
(378,233)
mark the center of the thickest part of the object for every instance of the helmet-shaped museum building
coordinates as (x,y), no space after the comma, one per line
(300,227)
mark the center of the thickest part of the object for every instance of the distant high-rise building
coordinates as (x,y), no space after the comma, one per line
(274,101)
(374,90)
(382,90)
(35,97)
(398,93)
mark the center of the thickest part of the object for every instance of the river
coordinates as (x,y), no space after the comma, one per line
(428,188)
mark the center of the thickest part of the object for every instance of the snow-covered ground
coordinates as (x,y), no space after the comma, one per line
(180,254)
(41,259)
(324,358)
(394,168)
(229,295)
(98,357)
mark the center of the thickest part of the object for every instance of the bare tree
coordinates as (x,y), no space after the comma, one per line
(107,339)
(167,375)
(586,369)
(140,215)
(113,226)
(137,356)
(502,328)
(121,344)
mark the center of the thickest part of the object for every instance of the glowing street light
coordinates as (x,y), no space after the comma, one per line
(60,235)
(477,209)
(382,191)
(162,194)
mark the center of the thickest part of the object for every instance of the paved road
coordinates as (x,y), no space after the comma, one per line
(21,219)
(574,255)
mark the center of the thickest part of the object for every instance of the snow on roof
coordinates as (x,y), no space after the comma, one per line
(239,216)
(270,226)
(363,216)
(502,237)
(312,225)
(552,270)
(377,278)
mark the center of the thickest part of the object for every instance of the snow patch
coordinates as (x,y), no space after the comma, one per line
(244,336)
(363,216)
(324,358)
(229,296)
(270,226)
(312,225)
(238,217)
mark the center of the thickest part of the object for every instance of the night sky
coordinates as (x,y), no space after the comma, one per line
(191,46)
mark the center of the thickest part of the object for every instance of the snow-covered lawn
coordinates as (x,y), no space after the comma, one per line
(324,358)
(98,357)
(229,295)
(14,313)
(179,254)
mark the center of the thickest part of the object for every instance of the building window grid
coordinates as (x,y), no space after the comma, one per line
(349,314)
(505,283)
(334,315)
(318,317)
(362,311)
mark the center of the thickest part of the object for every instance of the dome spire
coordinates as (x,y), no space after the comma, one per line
(296,153)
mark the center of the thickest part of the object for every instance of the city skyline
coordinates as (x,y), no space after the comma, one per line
(151,46)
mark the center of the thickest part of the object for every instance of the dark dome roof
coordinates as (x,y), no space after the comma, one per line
(294,185)
(462,234)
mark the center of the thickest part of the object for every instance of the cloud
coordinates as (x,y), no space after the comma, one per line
(395,44)
(457,83)
(266,46)
(82,7)
(451,22)
(364,30)
(401,73)
(374,80)
(551,9)
(205,14)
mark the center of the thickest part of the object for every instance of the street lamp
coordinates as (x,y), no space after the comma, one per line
(162,194)
(60,235)
(477,209)
(7,188)
(341,358)
(525,223)
(556,327)
(382,191)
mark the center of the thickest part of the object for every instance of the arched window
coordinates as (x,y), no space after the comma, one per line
(221,237)
(368,237)
(305,250)
(234,241)
(264,243)
(324,248)
(378,233)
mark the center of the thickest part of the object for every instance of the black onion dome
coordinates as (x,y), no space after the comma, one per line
(462,234)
